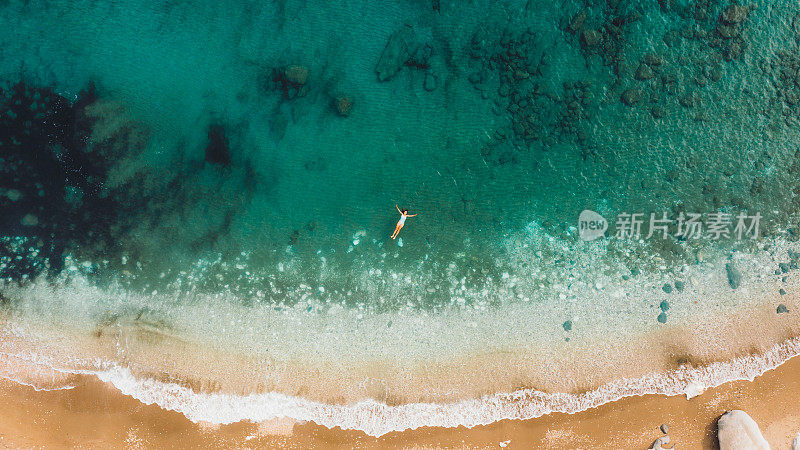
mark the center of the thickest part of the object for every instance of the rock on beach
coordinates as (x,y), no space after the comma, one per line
(737,430)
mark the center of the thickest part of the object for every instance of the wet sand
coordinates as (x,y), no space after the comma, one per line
(417,369)
(94,415)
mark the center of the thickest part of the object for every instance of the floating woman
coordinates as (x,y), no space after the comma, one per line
(402,221)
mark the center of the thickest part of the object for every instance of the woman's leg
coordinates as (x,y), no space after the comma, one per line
(396,230)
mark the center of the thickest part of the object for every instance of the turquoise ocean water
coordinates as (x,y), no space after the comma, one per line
(226,173)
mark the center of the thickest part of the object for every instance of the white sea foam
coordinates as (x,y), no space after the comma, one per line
(41,377)
(37,387)
(376,418)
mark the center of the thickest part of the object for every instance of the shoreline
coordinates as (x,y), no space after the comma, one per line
(59,417)
(407,363)
(399,390)
(379,419)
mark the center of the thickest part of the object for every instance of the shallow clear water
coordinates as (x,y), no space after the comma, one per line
(226,175)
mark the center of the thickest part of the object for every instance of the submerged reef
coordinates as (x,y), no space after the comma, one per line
(53,195)
(513,67)
(72,186)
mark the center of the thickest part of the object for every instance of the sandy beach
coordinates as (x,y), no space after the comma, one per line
(95,415)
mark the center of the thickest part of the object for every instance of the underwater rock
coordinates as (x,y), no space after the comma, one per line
(590,38)
(294,237)
(567,325)
(734,276)
(401,47)
(757,187)
(671,175)
(430,82)
(315,164)
(644,72)
(475,77)
(504,90)
(784,70)
(689,100)
(419,59)
(295,74)
(671,38)
(29,220)
(664,428)
(727,31)
(679,286)
(631,97)
(13,195)
(664,306)
(290,80)
(782,309)
(343,105)
(666,288)
(734,50)
(217,150)
(609,39)
(737,430)
(687,32)
(791,97)
(662,318)
(665,5)
(658,112)
(576,23)
(669,83)
(782,291)
(651,60)
(734,14)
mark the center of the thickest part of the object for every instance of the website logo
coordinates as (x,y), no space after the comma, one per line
(591,225)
